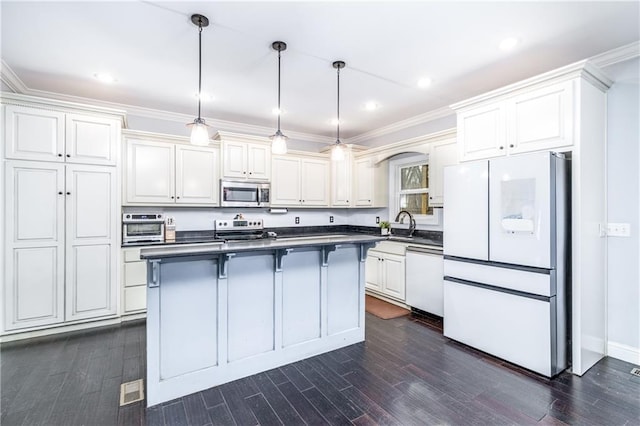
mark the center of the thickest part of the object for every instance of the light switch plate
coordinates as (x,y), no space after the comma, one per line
(618,229)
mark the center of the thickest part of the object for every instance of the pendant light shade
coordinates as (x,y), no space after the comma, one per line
(199,129)
(337,152)
(279,140)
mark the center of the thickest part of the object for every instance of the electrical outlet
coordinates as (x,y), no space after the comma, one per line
(377,220)
(297,220)
(330,219)
(618,229)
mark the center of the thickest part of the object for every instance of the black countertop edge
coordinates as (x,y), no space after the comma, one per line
(208,236)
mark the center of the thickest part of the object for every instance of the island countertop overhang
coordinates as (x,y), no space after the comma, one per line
(203,249)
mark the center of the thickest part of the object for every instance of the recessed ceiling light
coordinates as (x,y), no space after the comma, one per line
(371,106)
(104,77)
(424,82)
(334,121)
(276,111)
(508,43)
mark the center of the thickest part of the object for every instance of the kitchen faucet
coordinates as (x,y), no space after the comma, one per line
(412,221)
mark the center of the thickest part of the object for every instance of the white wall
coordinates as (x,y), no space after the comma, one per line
(623,187)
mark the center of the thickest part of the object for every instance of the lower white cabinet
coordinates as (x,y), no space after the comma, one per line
(385,270)
(60,247)
(134,282)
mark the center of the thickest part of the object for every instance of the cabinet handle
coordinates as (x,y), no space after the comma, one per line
(244,173)
(68,155)
(177,198)
(511,146)
(59,155)
(431,198)
(172,197)
(59,192)
(502,147)
(250,173)
(68,193)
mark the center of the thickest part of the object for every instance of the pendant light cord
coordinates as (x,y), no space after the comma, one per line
(199,67)
(338,138)
(279,111)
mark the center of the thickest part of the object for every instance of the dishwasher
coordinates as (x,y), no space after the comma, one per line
(424,279)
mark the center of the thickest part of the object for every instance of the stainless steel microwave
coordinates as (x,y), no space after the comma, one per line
(142,227)
(244,194)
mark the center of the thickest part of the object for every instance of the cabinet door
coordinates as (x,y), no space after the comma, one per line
(197,175)
(91,246)
(341,181)
(363,182)
(34,245)
(33,134)
(542,119)
(91,140)
(285,182)
(234,160)
(258,162)
(150,172)
(441,154)
(372,271)
(394,276)
(315,182)
(482,132)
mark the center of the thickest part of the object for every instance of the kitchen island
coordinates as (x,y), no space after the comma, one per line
(222,311)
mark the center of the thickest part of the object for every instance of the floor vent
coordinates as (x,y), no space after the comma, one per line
(131,392)
(636,371)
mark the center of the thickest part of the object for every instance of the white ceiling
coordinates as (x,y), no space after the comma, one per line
(151,49)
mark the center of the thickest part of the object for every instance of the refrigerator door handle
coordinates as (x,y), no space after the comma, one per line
(498,289)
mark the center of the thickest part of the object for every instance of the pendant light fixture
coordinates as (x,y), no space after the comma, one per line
(337,153)
(278,140)
(199,129)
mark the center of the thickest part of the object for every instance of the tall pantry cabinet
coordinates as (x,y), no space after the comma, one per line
(61,195)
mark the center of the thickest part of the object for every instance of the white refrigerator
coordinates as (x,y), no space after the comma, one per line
(505,258)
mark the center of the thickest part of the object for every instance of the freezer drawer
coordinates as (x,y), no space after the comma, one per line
(518,329)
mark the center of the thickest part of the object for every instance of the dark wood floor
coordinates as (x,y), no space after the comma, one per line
(405,373)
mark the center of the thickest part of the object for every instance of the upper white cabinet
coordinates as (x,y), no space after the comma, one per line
(370,183)
(43,135)
(300,181)
(533,119)
(243,160)
(61,243)
(441,154)
(159,172)
(341,181)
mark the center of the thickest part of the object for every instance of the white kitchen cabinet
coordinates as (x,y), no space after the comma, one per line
(91,244)
(61,240)
(243,160)
(341,181)
(46,135)
(532,120)
(134,282)
(385,270)
(441,154)
(385,273)
(167,173)
(300,181)
(370,183)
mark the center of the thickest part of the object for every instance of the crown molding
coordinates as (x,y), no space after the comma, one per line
(10,78)
(617,55)
(401,125)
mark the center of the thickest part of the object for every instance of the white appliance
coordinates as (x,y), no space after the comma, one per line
(505,258)
(424,272)
(142,227)
(244,193)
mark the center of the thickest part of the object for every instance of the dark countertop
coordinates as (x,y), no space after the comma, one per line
(264,244)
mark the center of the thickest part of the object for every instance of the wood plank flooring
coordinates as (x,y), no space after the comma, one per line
(406,373)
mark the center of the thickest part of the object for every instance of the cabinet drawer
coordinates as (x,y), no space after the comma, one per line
(132,255)
(135,273)
(135,298)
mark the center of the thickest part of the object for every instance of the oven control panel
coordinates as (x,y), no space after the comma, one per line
(239,224)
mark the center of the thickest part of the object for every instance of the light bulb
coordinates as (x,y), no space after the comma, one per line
(337,153)
(278,143)
(199,133)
